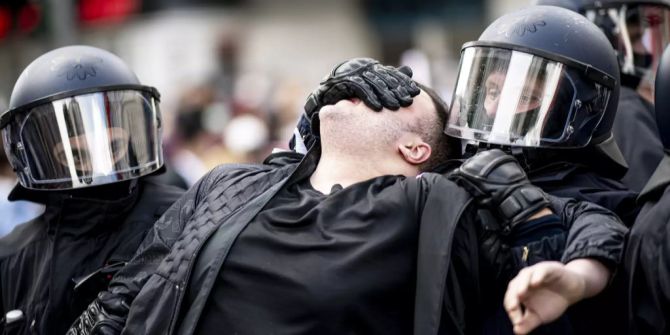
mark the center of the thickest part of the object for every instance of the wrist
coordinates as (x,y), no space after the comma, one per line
(592,273)
(541,213)
(576,285)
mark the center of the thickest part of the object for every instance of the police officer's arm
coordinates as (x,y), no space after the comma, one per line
(594,232)
(541,293)
(594,241)
(498,182)
(107,314)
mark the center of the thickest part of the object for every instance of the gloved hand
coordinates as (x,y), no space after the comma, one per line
(497,181)
(96,319)
(377,85)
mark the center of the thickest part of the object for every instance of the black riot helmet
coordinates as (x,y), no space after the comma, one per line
(542,77)
(662,99)
(638,30)
(78,116)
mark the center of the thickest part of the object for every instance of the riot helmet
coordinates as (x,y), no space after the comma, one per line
(78,117)
(639,31)
(542,77)
(662,101)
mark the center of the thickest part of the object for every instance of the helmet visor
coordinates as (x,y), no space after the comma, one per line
(88,139)
(515,98)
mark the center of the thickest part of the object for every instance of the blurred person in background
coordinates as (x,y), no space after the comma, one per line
(193,148)
(82,135)
(638,31)
(13,212)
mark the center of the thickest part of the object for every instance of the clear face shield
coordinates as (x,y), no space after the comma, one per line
(86,140)
(639,33)
(515,98)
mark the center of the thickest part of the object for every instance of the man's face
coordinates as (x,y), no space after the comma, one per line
(530,98)
(352,123)
(80,149)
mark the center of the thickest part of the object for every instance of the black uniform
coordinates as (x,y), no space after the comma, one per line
(42,261)
(647,259)
(317,275)
(636,134)
(569,179)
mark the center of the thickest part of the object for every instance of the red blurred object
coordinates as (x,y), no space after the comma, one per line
(5,22)
(30,16)
(106,11)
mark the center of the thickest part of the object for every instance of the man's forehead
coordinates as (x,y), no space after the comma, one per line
(423,103)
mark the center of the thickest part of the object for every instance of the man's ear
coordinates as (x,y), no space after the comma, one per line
(415,152)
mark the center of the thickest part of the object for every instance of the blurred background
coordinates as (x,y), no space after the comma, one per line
(234,74)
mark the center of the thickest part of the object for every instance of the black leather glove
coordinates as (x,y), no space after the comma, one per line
(377,85)
(96,319)
(497,181)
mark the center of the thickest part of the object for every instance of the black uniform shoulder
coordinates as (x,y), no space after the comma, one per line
(155,198)
(22,236)
(166,192)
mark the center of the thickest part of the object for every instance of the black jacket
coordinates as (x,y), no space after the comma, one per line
(42,261)
(604,313)
(566,179)
(636,133)
(200,228)
(647,259)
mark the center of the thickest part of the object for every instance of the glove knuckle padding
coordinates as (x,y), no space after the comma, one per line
(406,70)
(352,66)
(502,184)
(382,91)
(406,80)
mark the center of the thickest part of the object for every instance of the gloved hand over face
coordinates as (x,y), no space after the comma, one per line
(497,181)
(377,85)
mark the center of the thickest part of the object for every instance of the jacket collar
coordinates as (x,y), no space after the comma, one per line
(77,214)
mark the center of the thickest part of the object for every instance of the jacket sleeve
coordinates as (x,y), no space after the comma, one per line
(593,231)
(108,312)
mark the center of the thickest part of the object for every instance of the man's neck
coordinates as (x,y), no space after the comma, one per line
(345,171)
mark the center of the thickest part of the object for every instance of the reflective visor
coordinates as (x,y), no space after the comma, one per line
(514,98)
(642,33)
(87,140)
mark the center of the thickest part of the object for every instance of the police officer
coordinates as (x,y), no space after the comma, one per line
(638,31)
(647,253)
(82,135)
(529,85)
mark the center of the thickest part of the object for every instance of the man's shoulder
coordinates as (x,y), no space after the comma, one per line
(437,186)
(21,236)
(433,178)
(231,177)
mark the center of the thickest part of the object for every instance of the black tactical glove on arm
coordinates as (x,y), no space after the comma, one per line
(377,85)
(99,320)
(507,199)
(497,181)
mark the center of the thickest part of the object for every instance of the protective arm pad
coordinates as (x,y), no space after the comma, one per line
(497,181)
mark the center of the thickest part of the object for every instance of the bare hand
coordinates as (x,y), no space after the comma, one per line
(540,294)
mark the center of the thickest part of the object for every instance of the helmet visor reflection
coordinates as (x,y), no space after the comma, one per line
(91,139)
(514,98)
